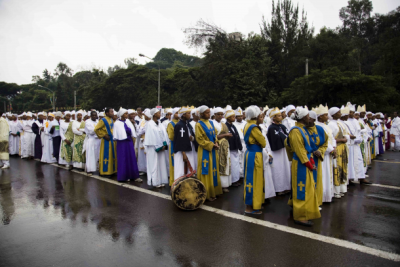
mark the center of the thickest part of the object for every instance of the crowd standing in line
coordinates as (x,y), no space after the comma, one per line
(313,155)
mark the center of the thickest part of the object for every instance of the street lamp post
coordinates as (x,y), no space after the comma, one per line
(54,99)
(159,77)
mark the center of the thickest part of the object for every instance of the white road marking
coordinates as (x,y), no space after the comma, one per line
(283,228)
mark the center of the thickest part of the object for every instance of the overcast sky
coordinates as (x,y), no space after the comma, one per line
(35,35)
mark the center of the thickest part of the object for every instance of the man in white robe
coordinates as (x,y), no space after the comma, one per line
(354,147)
(288,122)
(92,144)
(395,130)
(330,154)
(13,143)
(155,143)
(28,138)
(141,136)
(239,124)
(366,134)
(47,155)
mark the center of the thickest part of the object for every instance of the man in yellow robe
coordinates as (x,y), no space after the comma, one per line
(207,156)
(170,131)
(304,193)
(254,195)
(320,139)
(108,150)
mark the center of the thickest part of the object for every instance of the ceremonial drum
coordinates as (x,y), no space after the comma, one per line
(188,193)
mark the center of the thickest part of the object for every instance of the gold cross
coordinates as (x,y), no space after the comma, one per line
(205,163)
(106,161)
(214,171)
(301,185)
(249,186)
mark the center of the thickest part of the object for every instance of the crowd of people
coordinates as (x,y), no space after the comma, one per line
(313,155)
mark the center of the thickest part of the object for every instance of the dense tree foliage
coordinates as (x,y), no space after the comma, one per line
(358,62)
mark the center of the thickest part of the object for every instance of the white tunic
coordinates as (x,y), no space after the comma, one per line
(269,187)
(47,153)
(288,123)
(27,140)
(92,146)
(142,162)
(13,141)
(240,127)
(327,165)
(157,171)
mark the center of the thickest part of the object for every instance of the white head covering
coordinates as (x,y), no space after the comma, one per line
(299,113)
(147,113)
(153,111)
(289,108)
(333,111)
(182,111)
(4,115)
(79,112)
(369,112)
(58,114)
(175,110)
(29,114)
(170,110)
(351,107)
(218,110)
(252,112)
(202,109)
(313,115)
(121,112)
(130,111)
(228,107)
(101,114)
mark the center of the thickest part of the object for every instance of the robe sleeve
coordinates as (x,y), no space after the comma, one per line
(75,131)
(170,131)
(202,138)
(257,135)
(89,129)
(324,146)
(297,145)
(62,134)
(100,129)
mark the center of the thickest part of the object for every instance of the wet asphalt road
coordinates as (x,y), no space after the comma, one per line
(53,217)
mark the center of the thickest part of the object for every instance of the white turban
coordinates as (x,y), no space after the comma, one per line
(4,115)
(274,111)
(194,111)
(79,112)
(121,112)
(147,113)
(313,115)
(52,115)
(289,108)
(58,114)
(175,110)
(333,111)
(238,112)
(170,110)
(130,111)
(101,114)
(29,114)
(203,108)
(299,113)
(218,110)
(252,112)
(153,111)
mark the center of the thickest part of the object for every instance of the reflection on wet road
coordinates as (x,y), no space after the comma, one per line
(50,216)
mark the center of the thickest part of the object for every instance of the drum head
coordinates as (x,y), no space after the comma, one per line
(189,193)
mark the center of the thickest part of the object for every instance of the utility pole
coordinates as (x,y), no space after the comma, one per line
(159,71)
(74,100)
(306,66)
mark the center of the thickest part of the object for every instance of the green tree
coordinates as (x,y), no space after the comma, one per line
(287,37)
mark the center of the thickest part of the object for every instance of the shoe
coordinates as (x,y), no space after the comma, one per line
(364,181)
(139,180)
(225,190)
(5,167)
(337,196)
(308,223)
(319,208)
(366,176)
(342,194)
